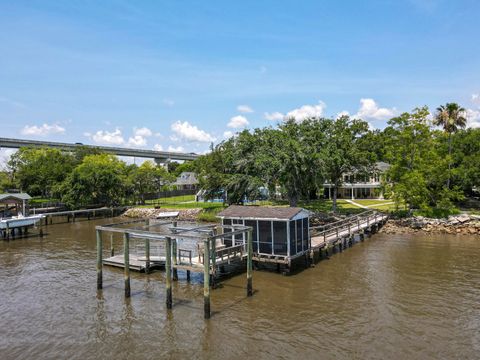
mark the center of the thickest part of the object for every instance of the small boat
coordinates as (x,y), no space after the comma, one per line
(20,221)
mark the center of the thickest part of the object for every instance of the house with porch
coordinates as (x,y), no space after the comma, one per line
(357,185)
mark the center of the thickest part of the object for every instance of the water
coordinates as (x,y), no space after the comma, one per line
(396,297)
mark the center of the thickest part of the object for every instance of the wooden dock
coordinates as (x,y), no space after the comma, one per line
(175,252)
(74,215)
(330,234)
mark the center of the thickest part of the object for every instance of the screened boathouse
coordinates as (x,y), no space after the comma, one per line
(277,231)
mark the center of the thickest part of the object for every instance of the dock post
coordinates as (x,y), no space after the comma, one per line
(147,255)
(99,260)
(126,259)
(168,271)
(213,255)
(206,279)
(112,250)
(175,262)
(249,263)
(7,230)
(174,254)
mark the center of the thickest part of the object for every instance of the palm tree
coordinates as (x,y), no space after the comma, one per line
(452,118)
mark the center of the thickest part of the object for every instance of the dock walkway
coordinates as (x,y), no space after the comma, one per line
(331,234)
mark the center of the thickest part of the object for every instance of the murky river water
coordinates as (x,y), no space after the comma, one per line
(391,297)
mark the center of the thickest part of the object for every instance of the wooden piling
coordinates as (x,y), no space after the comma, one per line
(147,255)
(168,271)
(174,254)
(99,260)
(175,263)
(126,257)
(206,279)
(249,263)
(112,249)
(213,259)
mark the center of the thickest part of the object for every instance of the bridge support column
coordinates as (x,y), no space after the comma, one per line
(161,161)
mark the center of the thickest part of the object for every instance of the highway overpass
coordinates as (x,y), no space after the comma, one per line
(158,156)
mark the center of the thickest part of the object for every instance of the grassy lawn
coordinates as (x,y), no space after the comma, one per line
(211,209)
(38,200)
(172,199)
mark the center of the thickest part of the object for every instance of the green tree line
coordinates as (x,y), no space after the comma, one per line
(434,160)
(434,163)
(85,176)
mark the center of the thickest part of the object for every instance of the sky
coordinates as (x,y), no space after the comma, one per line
(179,75)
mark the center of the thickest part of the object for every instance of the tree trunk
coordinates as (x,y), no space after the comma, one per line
(293,200)
(449,160)
(334,207)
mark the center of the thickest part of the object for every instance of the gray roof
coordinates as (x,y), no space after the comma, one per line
(186,178)
(382,166)
(17,196)
(260,212)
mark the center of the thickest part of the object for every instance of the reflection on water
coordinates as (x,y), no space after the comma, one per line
(396,297)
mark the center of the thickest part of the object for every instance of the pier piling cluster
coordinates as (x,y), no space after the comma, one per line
(167,235)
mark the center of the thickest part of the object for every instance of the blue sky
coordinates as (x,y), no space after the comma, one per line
(177,75)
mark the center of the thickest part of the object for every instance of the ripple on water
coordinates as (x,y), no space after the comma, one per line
(391,296)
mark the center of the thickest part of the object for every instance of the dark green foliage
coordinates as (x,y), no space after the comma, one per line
(40,171)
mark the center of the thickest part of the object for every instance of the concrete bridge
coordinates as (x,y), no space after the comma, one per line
(158,156)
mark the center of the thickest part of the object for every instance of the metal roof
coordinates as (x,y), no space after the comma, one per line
(261,212)
(18,196)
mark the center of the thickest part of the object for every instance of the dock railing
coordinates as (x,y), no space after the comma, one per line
(349,223)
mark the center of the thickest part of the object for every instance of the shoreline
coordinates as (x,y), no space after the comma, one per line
(458,224)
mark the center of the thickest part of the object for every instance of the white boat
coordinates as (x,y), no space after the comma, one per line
(20,221)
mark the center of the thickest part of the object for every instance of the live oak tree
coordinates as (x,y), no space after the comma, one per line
(40,171)
(99,179)
(343,151)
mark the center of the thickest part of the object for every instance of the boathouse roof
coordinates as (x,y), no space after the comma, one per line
(263,212)
(15,196)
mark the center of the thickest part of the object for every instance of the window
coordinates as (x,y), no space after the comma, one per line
(253,224)
(299,235)
(293,242)
(280,237)
(239,237)
(227,240)
(305,234)
(265,237)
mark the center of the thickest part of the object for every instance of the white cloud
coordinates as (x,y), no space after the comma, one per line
(342,113)
(275,116)
(369,110)
(185,130)
(476,98)
(158,147)
(176,149)
(43,130)
(238,122)
(306,111)
(473,118)
(244,109)
(5,155)
(227,134)
(137,140)
(143,131)
(168,102)
(109,138)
